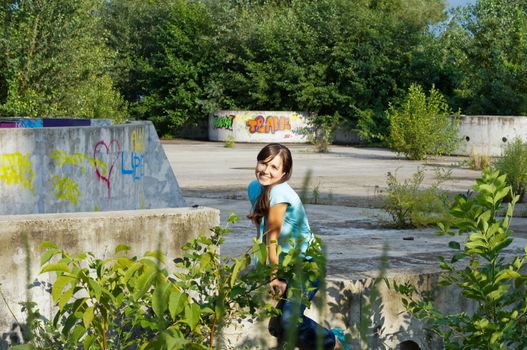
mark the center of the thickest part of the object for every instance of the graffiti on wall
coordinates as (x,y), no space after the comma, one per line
(66,189)
(223,122)
(77,159)
(109,152)
(132,163)
(16,169)
(270,124)
(73,169)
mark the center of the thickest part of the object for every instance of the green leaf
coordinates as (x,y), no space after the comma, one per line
(240,265)
(58,286)
(47,255)
(87,317)
(192,315)
(507,275)
(121,248)
(88,341)
(47,245)
(160,298)
(94,288)
(205,261)
(56,267)
(144,282)
(176,303)
(65,298)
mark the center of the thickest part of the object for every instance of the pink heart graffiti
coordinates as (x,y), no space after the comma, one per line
(99,173)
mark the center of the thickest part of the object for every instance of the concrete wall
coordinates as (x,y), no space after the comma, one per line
(100,233)
(58,168)
(257,126)
(391,328)
(486,135)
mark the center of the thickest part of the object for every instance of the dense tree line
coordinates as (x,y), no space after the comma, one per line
(174,61)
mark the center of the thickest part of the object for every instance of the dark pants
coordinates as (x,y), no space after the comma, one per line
(307,329)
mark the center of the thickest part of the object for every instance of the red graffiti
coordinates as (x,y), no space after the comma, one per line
(111,157)
(268,125)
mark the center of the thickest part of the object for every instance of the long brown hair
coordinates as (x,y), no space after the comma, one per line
(268,153)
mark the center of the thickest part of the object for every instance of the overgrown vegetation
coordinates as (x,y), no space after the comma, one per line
(479,161)
(143,303)
(513,163)
(410,204)
(174,61)
(481,271)
(421,125)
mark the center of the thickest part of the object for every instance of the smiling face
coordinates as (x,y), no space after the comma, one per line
(269,171)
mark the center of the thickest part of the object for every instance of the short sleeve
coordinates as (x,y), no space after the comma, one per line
(280,194)
(253,192)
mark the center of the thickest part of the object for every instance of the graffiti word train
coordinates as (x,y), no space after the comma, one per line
(268,125)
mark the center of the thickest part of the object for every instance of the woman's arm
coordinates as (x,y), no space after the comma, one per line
(275,219)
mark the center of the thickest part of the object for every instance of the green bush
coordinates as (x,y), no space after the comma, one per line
(411,205)
(480,270)
(422,125)
(124,302)
(514,164)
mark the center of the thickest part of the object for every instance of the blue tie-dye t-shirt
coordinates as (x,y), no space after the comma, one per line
(295,228)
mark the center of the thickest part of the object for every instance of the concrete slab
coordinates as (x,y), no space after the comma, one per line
(350,176)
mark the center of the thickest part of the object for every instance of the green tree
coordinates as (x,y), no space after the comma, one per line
(55,61)
(422,125)
(486,57)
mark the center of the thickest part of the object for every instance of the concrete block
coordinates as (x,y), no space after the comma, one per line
(99,233)
(258,126)
(85,168)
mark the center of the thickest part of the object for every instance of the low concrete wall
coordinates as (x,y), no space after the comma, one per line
(100,233)
(390,326)
(49,166)
(487,135)
(258,126)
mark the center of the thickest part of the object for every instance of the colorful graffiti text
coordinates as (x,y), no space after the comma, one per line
(138,140)
(268,125)
(16,169)
(62,158)
(66,189)
(136,165)
(110,151)
(223,122)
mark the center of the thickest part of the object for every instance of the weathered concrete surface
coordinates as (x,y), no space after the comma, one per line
(85,168)
(258,126)
(100,233)
(351,176)
(487,135)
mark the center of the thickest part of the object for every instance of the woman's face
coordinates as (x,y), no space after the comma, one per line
(269,172)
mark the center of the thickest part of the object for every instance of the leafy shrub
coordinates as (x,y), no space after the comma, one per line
(229,142)
(514,163)
(137,303)
(422,125)
(411,205)
(320,129)
(494,282)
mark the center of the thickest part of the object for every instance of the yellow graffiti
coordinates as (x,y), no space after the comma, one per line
(78,159)
(138,140)
(66,189)
(16,169)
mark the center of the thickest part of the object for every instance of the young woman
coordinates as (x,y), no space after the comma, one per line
(280,219)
